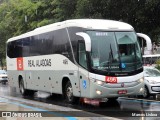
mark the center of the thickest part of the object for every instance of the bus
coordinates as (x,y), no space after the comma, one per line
(77,58)
(150,60)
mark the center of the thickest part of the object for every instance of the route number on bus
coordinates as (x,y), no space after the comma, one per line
(111,79)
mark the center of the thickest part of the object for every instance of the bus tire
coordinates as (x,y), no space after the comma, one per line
(68,93)
(146,93)
(23,91)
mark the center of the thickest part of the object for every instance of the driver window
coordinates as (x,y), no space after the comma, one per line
(82,55)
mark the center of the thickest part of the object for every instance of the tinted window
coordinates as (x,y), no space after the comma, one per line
(14,49)
(61,44)
(55,42)
(82,55)
(47,40)
(10,49)
(74,39)
(26,46)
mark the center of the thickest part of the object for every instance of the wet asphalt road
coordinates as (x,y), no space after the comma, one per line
(123,108)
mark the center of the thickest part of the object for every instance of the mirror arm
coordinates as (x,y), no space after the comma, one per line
(87,40)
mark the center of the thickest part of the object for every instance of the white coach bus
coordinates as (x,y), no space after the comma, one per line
(77,58)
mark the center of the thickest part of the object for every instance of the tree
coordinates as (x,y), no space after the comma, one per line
(63,9)
(16,19)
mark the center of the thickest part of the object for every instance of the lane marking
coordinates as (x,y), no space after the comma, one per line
(38,109)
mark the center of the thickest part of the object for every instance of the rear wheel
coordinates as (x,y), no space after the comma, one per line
(69,93)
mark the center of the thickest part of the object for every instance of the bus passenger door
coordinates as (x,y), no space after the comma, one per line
(83,72)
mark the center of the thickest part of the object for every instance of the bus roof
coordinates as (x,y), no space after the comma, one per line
(84,23)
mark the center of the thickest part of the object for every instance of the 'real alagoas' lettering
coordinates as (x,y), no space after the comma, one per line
(31,63)
(39,63)
(43,62)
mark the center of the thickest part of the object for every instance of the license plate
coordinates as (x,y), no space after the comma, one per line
(122,92)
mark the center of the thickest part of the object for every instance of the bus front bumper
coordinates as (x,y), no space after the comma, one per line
(98,91)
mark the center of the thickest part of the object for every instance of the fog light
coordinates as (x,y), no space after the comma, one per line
(98,92)
(141,90)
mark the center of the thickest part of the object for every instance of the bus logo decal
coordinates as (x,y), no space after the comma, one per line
(122,85)
(84,84)
(20,63)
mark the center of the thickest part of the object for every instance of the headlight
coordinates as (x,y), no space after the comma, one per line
(141,80)
(99,82)
(152,81)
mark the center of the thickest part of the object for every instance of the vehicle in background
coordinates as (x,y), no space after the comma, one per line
(3,77)
(152,81)
(150,60)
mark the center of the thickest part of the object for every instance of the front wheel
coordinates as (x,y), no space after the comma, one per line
(146,93)
(21,87)
(24,91)
(69,93)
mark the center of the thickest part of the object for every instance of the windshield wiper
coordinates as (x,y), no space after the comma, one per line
(135,56)
(110,58)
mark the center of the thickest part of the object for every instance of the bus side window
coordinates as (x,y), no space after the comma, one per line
(10,49)
(82,55)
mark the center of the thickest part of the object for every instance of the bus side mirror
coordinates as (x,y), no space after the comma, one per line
(87,40)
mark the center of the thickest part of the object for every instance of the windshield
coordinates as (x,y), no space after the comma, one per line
(151,72)
(115,51)
(3,72)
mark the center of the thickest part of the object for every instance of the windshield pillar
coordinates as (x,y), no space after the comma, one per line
(82,57)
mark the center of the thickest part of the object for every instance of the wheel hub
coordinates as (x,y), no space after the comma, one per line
(69,93)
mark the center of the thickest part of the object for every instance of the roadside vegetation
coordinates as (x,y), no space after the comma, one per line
(158,64)
(20,16)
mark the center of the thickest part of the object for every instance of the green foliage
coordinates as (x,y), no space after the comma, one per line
(20,16)
(43,22)
(63,9)
(158,64)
